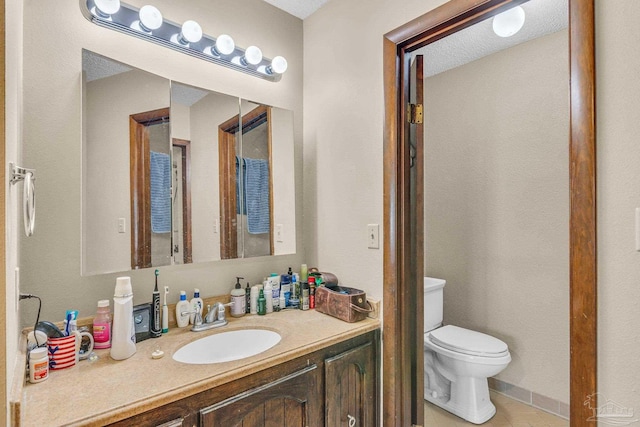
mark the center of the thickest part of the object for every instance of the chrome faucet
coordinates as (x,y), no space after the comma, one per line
(214,318)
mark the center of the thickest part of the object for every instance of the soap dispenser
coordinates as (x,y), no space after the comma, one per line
(182,307)
(196,304)
(238,299)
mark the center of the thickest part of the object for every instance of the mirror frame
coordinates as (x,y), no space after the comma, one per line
(402,348)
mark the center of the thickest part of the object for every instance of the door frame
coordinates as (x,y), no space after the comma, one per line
(140,184)
(400,310)
(185,160)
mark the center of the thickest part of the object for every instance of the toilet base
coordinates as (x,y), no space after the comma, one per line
(469,401)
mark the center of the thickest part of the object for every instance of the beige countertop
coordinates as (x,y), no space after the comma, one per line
(105,391)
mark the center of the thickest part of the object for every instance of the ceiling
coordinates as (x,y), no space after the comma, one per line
(542,17)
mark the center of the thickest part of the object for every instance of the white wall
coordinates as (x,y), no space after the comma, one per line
(497,204)
(54,34)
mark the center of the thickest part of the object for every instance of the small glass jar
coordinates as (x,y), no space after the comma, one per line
(38,365)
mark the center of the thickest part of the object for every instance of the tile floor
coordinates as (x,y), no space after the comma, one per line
(509,413)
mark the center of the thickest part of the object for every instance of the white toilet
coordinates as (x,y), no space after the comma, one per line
(458,361)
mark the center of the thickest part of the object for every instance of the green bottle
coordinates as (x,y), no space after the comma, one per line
(262,303)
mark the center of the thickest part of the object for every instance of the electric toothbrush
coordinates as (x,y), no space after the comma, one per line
(156,331)
(165,312)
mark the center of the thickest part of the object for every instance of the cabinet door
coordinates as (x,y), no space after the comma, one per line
(291,401)
(175,423)
(350,388)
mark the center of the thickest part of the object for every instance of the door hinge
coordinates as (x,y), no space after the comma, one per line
(414,113)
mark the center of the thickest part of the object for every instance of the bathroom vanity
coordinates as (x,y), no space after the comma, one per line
(322,372)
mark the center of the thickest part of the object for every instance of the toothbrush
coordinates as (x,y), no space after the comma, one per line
(165,312)
(67,323)
(156,331)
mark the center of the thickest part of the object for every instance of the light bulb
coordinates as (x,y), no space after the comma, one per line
(150,18)
(106,8)
(191,33)
(509,22)
(253,56)
(278,65)
(224,45)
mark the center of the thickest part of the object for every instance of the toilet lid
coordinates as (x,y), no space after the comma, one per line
(468,342)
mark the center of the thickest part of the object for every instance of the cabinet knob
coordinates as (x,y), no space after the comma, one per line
(352,420)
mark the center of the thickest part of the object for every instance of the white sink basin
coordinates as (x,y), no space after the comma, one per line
(227,346)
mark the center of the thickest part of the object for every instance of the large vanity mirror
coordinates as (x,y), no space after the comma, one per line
(175,174)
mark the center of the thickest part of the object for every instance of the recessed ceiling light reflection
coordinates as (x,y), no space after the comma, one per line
(507,23)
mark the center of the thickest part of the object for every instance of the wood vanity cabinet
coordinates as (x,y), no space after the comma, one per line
(289,401)
(350,387)
(328,388)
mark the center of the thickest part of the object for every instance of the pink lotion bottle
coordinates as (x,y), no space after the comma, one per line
(102,325)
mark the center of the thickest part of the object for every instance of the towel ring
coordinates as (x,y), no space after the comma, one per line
(28,195)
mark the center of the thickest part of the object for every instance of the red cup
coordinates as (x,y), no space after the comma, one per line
(62,352)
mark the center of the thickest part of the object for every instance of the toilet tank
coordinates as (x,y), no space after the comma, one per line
(433,301)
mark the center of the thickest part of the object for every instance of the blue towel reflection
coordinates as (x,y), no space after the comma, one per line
(160,176)
(255,179)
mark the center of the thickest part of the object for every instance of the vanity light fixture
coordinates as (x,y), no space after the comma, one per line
(150,19)
(191,32)
(224,45)
(278,65)
(106,8)
(148,23)
(509,22)
(253,56)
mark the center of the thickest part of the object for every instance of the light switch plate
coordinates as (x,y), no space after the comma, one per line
(373,236)
(279,233)
(122,224)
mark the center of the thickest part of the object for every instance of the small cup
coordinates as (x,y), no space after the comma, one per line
(87,349)
(64,352)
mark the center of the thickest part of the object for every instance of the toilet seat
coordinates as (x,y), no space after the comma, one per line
(465,341)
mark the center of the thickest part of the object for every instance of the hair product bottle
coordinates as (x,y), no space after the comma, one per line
(123,338)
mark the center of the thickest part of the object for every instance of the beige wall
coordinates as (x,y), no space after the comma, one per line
(497,204)
(343,160)
(343,107)
(284,196)
(55,33)
(618,128)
